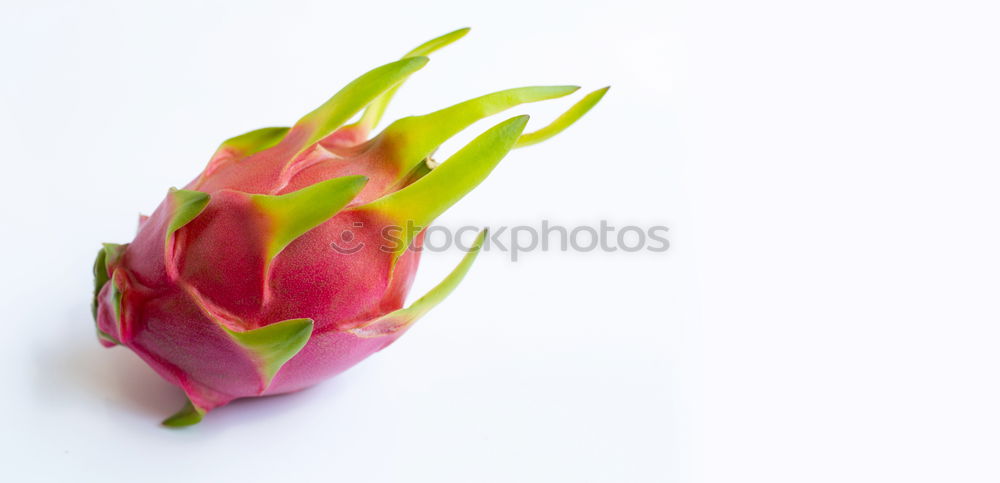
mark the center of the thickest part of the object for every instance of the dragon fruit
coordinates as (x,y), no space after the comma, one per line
(232,287)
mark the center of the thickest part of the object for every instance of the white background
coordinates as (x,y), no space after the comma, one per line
(827,310)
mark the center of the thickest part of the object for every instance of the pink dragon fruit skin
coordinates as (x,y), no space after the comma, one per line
(231,288)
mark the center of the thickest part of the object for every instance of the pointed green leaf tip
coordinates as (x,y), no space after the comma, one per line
(254,141)
(187,205)
(402,318)
(433,45)
(355,96)
(188,415)
(273,345)
(422,201)
(564,121)
(295,213)
(375,110)
(414,138)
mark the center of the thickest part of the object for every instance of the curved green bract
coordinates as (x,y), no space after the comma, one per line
(414,138)
(273,345)
(402,318)
(441,291)
(107,256)
(293,214)
(373,113)
(114,298)
(563,121)
(254,141)
(422,201)
(186,205)
(100,278)
(355,96)
(188,415)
